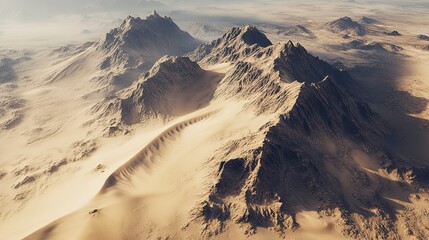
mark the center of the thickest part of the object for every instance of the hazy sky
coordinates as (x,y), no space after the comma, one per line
(52,22)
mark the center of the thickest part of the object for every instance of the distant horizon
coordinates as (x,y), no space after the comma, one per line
(55,23)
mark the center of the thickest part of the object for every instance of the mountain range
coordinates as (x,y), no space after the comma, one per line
(240,137)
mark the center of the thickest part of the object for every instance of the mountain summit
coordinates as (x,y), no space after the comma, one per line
(139,40)
(346,25)
(237,42)
(128,51)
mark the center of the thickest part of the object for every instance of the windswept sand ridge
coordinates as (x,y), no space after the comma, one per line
(144,157)
(161,198)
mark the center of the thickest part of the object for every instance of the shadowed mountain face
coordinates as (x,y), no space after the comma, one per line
(253,36)
(173,87)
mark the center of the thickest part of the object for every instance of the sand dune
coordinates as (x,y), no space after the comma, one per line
(140,190)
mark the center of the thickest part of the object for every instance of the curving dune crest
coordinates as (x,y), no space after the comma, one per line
(146,158)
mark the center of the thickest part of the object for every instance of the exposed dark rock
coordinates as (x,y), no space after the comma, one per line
(423,37)
(93,211)
(393,33)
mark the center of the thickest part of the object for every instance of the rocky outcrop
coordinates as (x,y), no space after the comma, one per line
(394,33)
(423,37)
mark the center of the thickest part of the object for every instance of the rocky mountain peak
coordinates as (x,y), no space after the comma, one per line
(346,25)
(294,63)
(139,40)
(236,43)
(173,64)
(154,14)
(250,35)
(291,48)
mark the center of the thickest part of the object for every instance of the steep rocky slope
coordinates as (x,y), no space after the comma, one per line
(327,154)
(269,75)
